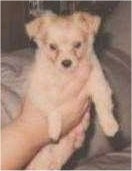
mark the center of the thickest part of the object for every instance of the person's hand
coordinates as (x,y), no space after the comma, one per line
(72,100)
(29,132)
(54,156)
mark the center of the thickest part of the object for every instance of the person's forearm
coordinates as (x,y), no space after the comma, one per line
(29,132)
(22,139)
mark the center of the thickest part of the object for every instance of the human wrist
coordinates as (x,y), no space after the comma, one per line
(33,132)
(35,125)
(19,136)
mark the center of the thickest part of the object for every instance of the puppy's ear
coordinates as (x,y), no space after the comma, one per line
(37,28)
(90,23)
(33,27)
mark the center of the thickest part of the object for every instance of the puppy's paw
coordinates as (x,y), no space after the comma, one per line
(54,121)
(110,127)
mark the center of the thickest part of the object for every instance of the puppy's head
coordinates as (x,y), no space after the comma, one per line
(65,41)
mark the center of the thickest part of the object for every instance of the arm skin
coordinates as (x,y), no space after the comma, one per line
(24,137)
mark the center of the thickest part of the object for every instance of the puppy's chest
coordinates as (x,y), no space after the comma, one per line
(46,87)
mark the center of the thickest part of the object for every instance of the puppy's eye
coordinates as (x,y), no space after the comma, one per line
(52,46)
(77,45)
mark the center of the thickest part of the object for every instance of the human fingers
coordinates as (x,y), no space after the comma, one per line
(85,120)
(80,129)
(54,156)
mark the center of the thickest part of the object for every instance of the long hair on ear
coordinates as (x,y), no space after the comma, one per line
(89,22)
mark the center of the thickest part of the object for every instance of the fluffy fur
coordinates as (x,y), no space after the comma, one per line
(68,38)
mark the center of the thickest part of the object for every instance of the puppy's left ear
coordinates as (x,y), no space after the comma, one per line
(90,23)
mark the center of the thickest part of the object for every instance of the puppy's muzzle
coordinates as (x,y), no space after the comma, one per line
(66,63)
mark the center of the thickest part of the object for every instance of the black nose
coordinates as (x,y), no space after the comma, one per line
(66,63)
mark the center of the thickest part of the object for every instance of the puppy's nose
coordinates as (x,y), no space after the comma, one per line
(66,63)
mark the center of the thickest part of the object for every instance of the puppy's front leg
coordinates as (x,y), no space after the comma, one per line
(55,125)
(102,97)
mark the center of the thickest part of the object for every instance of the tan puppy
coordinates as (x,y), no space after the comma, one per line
(65,43)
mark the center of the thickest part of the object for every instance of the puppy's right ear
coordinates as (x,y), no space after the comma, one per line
(33,28)
(90,23)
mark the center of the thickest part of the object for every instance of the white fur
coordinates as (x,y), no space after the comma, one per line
(46,61)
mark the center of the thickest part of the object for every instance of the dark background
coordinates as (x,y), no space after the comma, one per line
(14,15)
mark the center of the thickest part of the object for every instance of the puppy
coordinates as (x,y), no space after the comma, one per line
(63,42)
